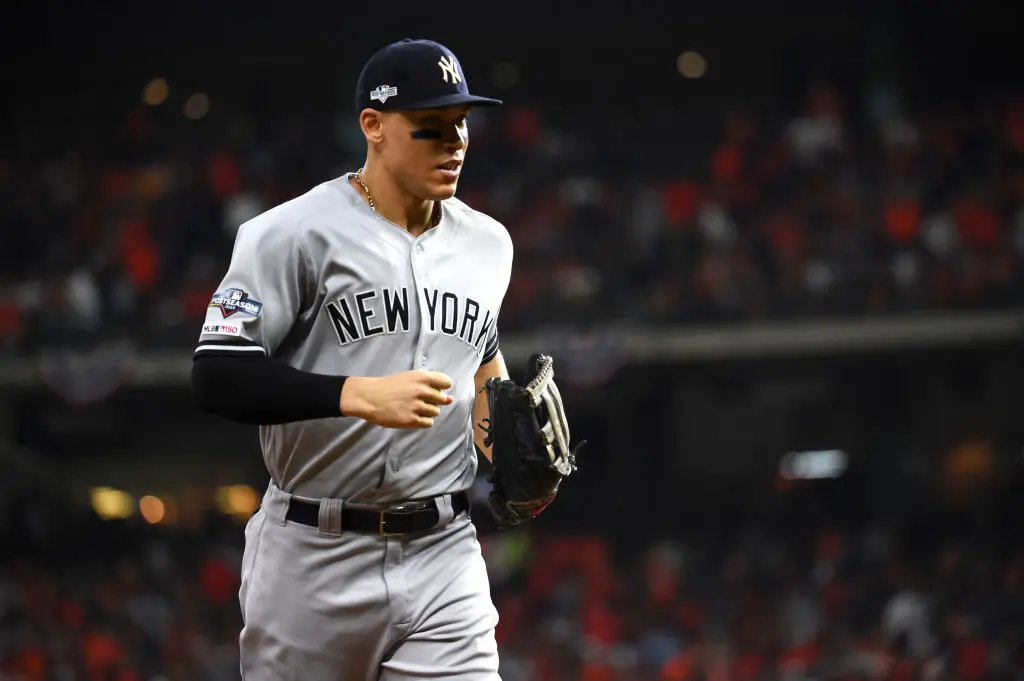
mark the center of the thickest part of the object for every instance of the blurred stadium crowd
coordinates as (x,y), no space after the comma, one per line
(93,601)
(839,206)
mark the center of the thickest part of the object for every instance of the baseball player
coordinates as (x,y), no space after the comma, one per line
(357,326)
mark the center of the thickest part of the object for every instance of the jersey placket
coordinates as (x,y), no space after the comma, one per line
(421,277)
(419,264)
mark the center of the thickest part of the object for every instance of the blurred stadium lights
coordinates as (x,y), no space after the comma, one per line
(505,75)
(171,514)
(156,91)
(152,509)
(196,106)
(691,64)
(813,465)
(111,503)
(237,500)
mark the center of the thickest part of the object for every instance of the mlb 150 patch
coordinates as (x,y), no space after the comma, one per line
(223,329)
(236,300)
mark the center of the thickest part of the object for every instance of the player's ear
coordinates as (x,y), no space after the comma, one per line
(371,121)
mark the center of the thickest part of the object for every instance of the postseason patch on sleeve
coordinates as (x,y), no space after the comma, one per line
(235,300)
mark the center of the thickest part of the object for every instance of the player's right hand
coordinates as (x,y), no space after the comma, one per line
(410,399)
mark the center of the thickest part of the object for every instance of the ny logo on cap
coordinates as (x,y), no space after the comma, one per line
(383,93)
(448,68)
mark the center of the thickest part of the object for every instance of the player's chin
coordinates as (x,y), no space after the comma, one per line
(442,184)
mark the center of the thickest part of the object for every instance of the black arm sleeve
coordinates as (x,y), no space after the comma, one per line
(263,391)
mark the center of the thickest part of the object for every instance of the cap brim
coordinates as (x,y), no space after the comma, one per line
(450,100)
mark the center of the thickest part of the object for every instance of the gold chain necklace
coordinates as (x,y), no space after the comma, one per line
(435,216)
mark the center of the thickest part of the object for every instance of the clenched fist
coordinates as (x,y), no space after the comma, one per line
(411,399)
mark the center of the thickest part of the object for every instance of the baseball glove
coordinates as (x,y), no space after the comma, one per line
(529,439)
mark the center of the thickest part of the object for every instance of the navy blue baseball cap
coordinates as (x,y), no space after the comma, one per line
(414,75)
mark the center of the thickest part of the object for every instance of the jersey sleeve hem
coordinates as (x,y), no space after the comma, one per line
(228,346)
(491,353)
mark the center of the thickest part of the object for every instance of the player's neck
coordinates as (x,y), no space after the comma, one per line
(393,204)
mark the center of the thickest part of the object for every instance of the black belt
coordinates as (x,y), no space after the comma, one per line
(407,518)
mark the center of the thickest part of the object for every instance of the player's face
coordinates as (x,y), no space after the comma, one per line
(426,149)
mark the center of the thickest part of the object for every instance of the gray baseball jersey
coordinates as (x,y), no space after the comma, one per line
(325,284)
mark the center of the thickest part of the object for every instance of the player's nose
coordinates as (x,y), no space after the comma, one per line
(455,137)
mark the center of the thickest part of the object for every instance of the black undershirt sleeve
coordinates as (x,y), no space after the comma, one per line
(263,391)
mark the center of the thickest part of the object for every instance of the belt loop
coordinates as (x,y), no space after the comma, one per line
(329,520)
(275,503)
(445,511)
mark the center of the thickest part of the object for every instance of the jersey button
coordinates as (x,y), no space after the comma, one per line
(419,248)
(423,360)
